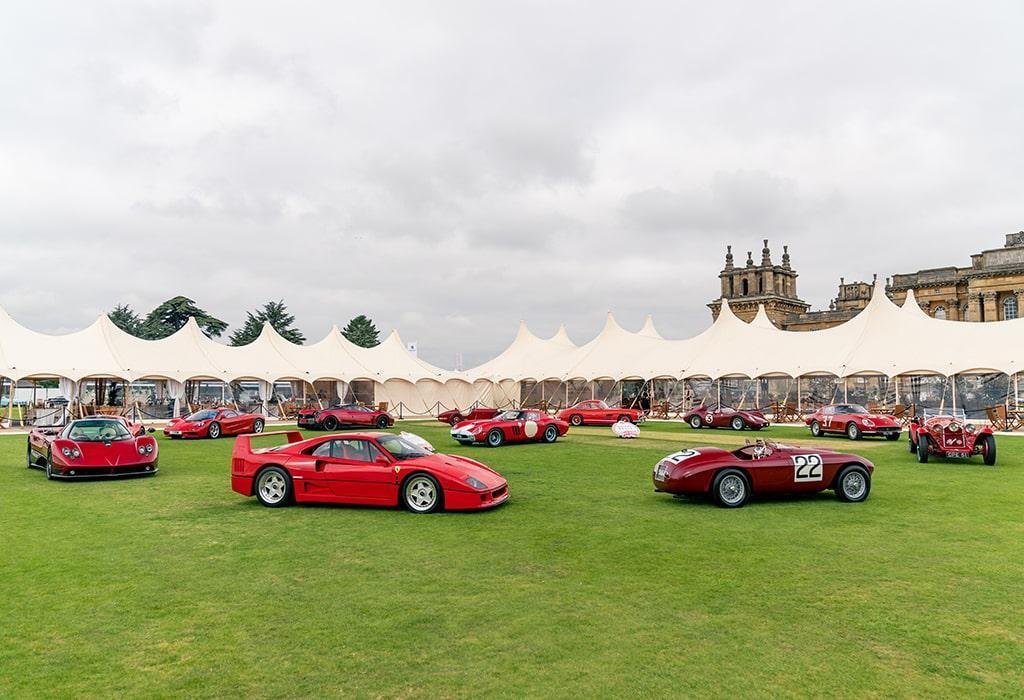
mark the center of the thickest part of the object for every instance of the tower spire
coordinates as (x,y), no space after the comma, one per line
(728,257)
(766,254)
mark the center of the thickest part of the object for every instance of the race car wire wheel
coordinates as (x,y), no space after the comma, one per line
(421,493)
(696,423)
(495,438)
(854,485)
(737,423)
(731,489)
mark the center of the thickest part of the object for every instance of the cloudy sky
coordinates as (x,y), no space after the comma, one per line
(451,167)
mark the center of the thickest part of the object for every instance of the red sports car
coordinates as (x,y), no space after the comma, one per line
(89,447)
(528,425)
(599,413)
(730,478)
(214,422)
(852,420)
(948,434)
(725,417)
(455,416)
(350,414)
(363,469)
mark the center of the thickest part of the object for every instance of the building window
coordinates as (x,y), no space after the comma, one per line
(1010,307)
(746,287)
(940,312)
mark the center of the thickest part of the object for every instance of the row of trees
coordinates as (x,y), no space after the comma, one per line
(172,315)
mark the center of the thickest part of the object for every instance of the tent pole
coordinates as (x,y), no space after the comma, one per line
(953,381)
(846,390)
(10,404)
(719,382)
(799,397)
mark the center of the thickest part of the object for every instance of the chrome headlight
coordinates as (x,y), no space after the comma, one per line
(868,423)
(145,449)
(970,428)
(71,452)
(475,483)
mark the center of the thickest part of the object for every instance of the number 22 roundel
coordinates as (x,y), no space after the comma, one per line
(807,468)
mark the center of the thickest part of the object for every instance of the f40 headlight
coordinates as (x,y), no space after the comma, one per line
(475,483)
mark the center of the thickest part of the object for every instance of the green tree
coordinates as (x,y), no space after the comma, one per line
(173,314)
(362,332)
(124,317)
(276,314)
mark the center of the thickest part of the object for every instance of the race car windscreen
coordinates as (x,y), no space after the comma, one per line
(97,431)
(508,415)
(400,448)
(202,415)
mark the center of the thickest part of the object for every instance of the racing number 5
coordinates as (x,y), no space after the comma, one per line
(807,468)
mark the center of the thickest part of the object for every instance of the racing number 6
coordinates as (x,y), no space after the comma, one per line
(807,468)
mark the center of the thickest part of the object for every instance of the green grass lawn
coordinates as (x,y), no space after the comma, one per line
(585,583)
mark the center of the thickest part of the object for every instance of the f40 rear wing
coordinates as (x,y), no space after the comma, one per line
(243,443)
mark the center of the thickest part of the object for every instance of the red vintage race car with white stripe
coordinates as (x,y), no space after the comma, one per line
(455,416)
(948,434)
(369,468)
(852,420)
(529,425)
(213,423)
(92,447)
(731,478)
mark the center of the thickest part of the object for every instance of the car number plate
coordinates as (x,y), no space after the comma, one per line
(958,455)
(174,432)
(660,472)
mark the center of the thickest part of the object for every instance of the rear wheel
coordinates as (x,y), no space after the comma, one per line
(421,493)
(576,419)
(988,449)
(29,462)
(274,487)
(49,465)
(913,445)
(455,420)
(730,488)
(853,484)
(257,426)
(330,423)
(737,423)
(550,433)
(853,431)
(495,438)
(382,422)
(922,448)
(696,423)
(213,432)
(816,428)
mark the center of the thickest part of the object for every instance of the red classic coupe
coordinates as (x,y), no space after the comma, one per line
(948,434)
(350,414)
(362,469)
(725,417)
(528,425)
(91,447)
(213,423)
(599,413)
(852,420)
(730,478)
(455,416)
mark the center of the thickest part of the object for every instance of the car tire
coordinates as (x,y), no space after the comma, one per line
(730,489)
(330,423)
(576,419)
(455,420)
(382,422)
(49,466)
(816,430)
(988,449)
(257,425)
(213,432)
(623,418)
(273,487)
(696,423)
(550,433)
(853,431)
(922,449)
(422,494)
(495,438)
(891,437)
(913,445)
(737,423)
(28,455)
(853,484)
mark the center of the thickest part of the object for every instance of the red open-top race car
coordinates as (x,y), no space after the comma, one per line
(529,425)
(598,413)
(730,478)
(725,417)
(455,416)
(948,434)
(214,422)
(364,469)
(350,414)
(852,420)
(91,447)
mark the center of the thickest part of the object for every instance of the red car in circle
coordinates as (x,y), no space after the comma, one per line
(598,413)
(529,425)
(369,468)
(455,416)
(92,447)
(725,417)
(213,423)
(350,414)
(852,420)
(730,478)
(948,434)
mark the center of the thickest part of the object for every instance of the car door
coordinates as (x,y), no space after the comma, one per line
(356,471)
(841,418)
(532,425)
(230,424)
(828,418)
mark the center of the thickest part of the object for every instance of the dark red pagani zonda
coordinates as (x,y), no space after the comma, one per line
(725,417)
(528,425)
(91,447)
(730,478)
(455,416)
(350,414)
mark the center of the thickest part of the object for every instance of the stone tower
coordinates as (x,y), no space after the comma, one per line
(765,283)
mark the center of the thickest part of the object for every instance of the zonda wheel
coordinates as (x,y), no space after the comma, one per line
(455,420)
(550,433)
(853,484)
(853,431)
(214,431)
(696,423)
(988,449)
(382,422)
(922,448)
(330,423)
(495,438)
(49,466)
(576,420)
(257,425)
(422,493)
(816,428)
(730,488)
(737,423)
(274,487)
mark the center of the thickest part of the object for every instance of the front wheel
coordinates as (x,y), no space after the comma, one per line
(730,488)
(422,493)
(49,466)
(853,431)
(892,436)
(214,431)
(737,423)
(696,423)
(382,422)
(623,419)
(495,438)
(853,484)
(913,445)
(257,426)
(550,433)
(330,423)
(816,428)
(274,487)
(988,449)
(922,448)
(576,420)
(28,456)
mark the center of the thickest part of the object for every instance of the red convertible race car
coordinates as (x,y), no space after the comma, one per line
(948,434)
(90,447)
(530,425)
(214,422)
(351,414)
(852,420)
(455,416)
(725,417)
(598,413)
(363,469)
(730,478)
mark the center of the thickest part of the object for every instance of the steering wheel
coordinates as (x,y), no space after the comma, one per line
(108,433)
